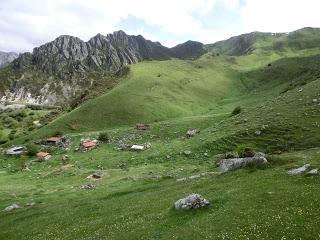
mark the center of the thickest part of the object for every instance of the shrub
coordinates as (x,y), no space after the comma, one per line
(12,134)
(103,137)
(236,111)
(246,151)
(32,149)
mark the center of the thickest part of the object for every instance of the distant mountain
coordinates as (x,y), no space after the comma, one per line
(6,58)
(188,50)
(66,69)
(67,56)
(305,38)
(60,71)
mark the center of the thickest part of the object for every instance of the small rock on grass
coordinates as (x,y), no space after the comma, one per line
(191,202)
(11,207)
(88,186)
(187,153)
(300,170)
(97,175)
(314,172)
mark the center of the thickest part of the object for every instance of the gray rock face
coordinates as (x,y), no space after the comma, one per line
(192,201)
(68,55)
(299,170)
(61,68)
(6,58)
(231,164)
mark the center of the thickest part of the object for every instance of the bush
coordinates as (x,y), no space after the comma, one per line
(32,149)
(236,111)
(11,136)
(246,151)
(103,137)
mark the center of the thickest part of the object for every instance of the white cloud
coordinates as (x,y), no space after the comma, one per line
(280,15)
(26,24)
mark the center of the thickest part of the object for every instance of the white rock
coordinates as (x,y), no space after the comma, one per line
(11,207)
(299,170)
(314,171)
(137,148)
(187,153)
(192,201)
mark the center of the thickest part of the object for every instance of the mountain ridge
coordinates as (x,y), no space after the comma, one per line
(59,71)
(6,58)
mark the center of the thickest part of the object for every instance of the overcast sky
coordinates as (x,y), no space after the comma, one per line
(25,24)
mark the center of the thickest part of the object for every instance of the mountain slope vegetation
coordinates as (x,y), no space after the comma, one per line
(158,90)
(276,91)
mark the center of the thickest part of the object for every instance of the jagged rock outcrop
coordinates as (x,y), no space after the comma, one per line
(6,58)
(67,56)
(62,67)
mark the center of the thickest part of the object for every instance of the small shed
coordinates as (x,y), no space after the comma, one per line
(55,140)
(142,126)
(15,150)
(88,145)
(43,156)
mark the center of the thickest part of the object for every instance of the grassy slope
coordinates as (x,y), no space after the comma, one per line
(208,85)
(140,188)
(135,200)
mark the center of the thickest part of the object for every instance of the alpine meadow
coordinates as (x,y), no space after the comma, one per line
(120,137)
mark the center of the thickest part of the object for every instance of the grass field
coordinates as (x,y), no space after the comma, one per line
(135,199)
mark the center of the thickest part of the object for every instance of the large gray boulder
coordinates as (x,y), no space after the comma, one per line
(231,164)
(192,201)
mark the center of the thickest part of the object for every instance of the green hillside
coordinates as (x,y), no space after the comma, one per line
(160,90)
(278,90)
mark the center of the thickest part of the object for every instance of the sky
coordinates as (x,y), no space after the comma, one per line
(25,24)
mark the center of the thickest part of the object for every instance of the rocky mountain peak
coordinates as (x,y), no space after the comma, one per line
(64,67)
(6,58)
